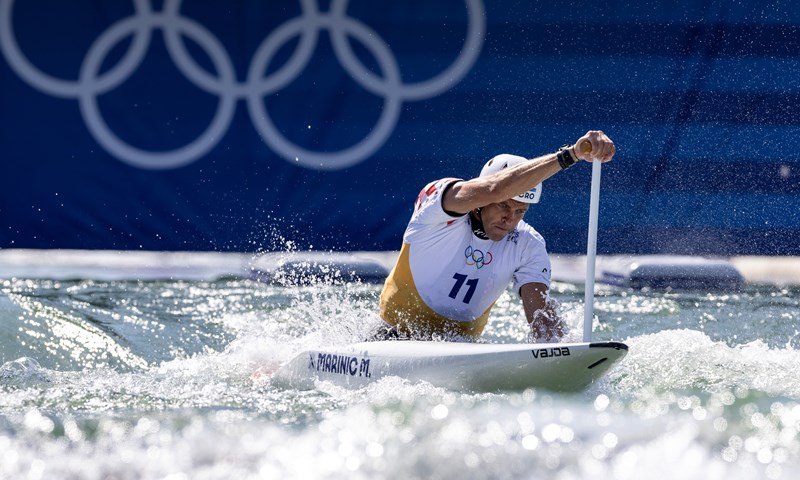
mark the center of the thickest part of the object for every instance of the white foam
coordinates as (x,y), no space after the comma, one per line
(690,359)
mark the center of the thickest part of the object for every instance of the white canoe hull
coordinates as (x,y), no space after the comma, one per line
(476,367)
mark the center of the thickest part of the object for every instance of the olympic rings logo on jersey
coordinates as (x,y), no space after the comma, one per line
(477,257)
(140,27)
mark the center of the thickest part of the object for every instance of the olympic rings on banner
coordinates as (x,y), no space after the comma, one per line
(477,257)
(140,27)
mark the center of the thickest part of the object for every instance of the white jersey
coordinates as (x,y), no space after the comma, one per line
(447,279)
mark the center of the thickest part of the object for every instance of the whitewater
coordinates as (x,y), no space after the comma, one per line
(122,365)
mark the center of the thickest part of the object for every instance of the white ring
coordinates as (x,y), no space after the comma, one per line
(349,156)
(143,158)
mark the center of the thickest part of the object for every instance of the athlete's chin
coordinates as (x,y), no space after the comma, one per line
(497,233)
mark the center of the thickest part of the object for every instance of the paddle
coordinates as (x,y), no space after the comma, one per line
(591,247)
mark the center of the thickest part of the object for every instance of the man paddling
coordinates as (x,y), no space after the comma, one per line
(466,242)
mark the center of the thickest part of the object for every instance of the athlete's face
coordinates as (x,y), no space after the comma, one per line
(502,217)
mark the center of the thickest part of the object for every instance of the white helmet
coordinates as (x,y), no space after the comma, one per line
(506,160)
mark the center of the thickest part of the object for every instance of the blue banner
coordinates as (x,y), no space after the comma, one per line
(262,125)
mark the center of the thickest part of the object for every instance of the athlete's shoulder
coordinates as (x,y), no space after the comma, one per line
(525,234)
(433,191)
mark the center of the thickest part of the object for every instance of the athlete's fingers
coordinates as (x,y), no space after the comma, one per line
(595,146)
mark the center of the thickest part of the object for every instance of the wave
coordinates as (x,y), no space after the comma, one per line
(686,359)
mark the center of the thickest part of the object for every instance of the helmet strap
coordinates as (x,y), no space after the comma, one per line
(477,224)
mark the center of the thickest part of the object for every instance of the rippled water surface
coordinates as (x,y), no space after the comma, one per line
(169,379)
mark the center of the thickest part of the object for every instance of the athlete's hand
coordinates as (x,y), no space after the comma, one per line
(547,326)
(594,146)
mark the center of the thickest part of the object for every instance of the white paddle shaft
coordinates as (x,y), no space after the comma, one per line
(591,252)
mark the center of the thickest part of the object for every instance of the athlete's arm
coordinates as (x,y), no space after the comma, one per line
(468,195)
(545,324)
(464,196)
